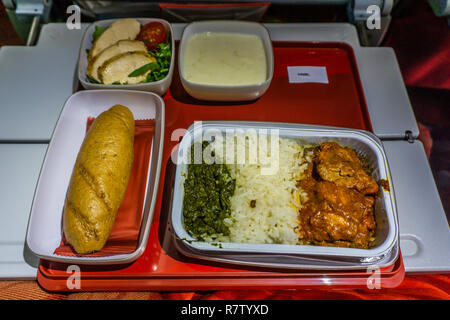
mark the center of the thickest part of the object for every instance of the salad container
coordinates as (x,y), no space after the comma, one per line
(159,87)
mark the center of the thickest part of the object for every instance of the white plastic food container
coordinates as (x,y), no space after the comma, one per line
(219,92)
(159,87)
(362,142)
(44,232)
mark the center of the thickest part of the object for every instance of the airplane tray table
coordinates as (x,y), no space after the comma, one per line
(340,102)
(21,164)
(30,121)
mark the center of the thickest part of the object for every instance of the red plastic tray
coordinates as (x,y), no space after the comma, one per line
(339,103)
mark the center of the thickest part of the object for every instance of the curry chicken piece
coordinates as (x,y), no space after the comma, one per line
(333,214)
(342,166)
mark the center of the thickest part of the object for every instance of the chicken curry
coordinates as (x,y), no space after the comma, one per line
(340,197)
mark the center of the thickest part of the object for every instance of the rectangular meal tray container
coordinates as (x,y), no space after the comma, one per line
(44,231)
(289,262)
(363,142)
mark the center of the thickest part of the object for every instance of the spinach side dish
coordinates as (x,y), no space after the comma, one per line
(206,204)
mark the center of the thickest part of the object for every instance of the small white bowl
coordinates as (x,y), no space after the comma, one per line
(227,93)
(159,87)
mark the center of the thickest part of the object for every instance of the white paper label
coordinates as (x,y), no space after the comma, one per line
(307,74)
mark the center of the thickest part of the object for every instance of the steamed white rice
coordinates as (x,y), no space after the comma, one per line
(269,183)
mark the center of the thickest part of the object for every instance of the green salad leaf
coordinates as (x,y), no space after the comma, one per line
(163,55)
(141,70)
(98,32)
(91,80)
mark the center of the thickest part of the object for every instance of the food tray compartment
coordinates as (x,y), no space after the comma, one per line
(364,143)
(44,232)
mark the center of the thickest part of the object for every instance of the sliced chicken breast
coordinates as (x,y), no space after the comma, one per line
(118,48)
(123,29)
(117,69)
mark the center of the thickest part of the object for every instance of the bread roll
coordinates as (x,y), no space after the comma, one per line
(99,180)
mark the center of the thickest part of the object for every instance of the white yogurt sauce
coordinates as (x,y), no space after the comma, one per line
(228,59)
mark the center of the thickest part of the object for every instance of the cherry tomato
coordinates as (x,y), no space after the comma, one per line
(152,34)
